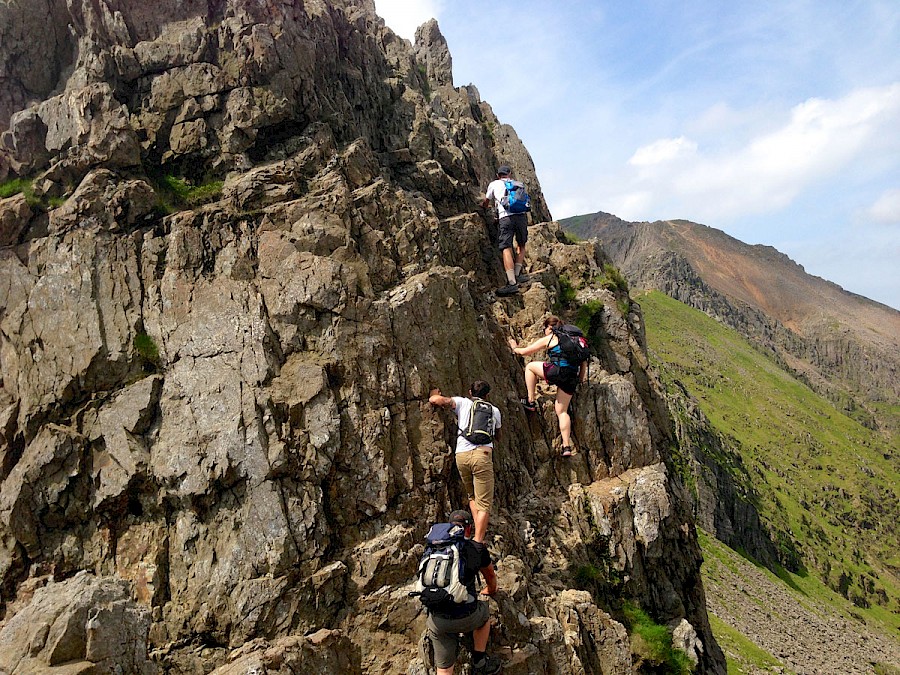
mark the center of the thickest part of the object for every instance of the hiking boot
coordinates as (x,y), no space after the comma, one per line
(523,278)
(530,406)
(509,289)
(487,666)
(566,451)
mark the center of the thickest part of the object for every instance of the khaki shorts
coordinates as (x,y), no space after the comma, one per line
(445,633)
(476,467)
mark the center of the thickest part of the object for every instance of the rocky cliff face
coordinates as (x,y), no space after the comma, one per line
(214,417)
(723,491)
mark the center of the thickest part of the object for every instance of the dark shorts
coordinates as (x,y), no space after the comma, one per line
(515,224)
(445,632)
(564,378)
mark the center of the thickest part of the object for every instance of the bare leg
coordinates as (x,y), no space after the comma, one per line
(480,636)
(520,254)
(508,262)
(562,412)
(534,371)
(445,671)
(481,521)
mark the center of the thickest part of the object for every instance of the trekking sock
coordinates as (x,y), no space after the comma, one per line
(518,269)
(511,277)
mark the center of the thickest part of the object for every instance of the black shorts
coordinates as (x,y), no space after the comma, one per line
(515,224)
(564,378)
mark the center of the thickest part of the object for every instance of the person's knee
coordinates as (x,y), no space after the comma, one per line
(483,504)
(484,499)
(446,648)
(485,611)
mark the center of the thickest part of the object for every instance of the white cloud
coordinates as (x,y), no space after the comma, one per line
(767,172)
(886,209)
(662,151)
(404,16)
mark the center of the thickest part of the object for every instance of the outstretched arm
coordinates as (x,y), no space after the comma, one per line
(490,580)
(488,198)
(443,401)
(533,348)
(582,374)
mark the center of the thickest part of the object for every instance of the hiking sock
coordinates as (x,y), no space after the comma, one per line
(511,277)
(518,269)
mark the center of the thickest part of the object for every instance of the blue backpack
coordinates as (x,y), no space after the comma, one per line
(516,199)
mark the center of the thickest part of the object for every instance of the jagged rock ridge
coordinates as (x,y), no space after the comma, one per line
(225,405)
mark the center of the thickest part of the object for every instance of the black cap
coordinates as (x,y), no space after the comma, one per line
(504,171)
(461,517)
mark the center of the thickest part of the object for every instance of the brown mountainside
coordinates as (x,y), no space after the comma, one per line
(846,346)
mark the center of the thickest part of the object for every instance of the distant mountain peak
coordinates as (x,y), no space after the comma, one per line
(846,346)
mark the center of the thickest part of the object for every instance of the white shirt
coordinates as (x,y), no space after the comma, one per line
(497,191)
(463,412)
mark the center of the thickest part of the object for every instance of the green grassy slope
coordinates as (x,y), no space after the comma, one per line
(828,486)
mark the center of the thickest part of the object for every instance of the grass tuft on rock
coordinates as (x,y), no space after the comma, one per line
(14,186)
(146,348)
(175,193)
(651,643)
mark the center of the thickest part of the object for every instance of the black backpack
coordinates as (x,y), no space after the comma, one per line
(572,344)
(439,580)
(480,429)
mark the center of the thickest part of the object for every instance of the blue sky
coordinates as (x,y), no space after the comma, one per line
(777,122)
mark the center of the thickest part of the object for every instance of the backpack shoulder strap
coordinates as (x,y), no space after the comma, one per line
(475,401)
(460,430)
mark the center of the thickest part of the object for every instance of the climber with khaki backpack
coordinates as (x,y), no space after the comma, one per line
(478,426)
(566,368)
(445,584)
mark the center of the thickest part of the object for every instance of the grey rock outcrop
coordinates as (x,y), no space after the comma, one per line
(225,405)
(431,50)
(85,625)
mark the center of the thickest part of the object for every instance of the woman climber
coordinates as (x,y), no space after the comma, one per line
(563,369)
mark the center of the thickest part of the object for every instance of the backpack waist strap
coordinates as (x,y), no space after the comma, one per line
(470,607)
